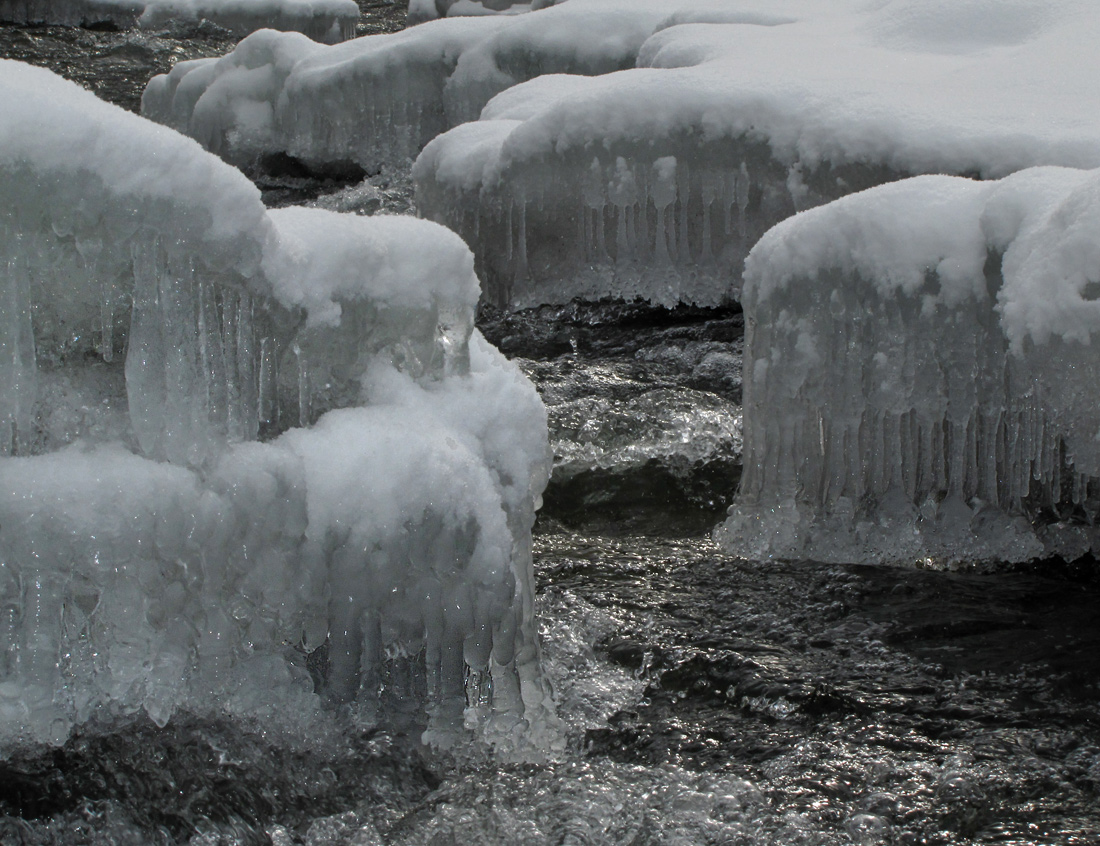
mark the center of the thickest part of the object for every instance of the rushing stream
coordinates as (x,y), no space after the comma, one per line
(703,699)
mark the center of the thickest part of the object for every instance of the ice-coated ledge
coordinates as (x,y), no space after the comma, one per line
(229,437)
(702,125)
(657,181)
(919,375)
(378,100)
(430,10)
(328,21)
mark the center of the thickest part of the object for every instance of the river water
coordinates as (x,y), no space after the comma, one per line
(704,699)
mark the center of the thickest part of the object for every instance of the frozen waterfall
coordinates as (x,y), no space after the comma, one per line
(919,375)
(232,438)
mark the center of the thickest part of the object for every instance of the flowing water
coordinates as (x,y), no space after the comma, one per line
(704,699)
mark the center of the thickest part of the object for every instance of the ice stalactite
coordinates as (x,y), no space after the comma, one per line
(666,228)
(913,376)
(155,322)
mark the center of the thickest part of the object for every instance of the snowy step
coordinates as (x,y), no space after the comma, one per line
(919,375)
(328,21)
(155,320)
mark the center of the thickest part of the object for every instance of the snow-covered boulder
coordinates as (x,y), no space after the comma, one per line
(329,21)
(229,437)
(919,376)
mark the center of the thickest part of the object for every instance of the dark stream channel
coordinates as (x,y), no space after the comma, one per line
(704,699)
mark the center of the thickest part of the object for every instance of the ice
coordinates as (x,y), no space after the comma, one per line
(378,100)
(329,21)
(640,149)
(427,10)
(918,380)
(656,181)
(232,438)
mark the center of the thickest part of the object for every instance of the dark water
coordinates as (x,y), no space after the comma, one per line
(704,699)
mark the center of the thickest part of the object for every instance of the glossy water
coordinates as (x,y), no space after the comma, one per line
(704,699)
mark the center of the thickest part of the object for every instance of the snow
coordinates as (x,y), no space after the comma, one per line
(427,10)
(780,108)
(767,109)
(378,100)
(329,21)
(231,436)
(917,374)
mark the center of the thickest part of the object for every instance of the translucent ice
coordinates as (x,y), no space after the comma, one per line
(323,20)
(918,374)
(231,438)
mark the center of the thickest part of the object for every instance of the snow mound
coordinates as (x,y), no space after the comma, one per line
(329,21)
(918,374)
(230,438)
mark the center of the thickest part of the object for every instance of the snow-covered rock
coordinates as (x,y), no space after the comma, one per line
(919,374)
(229,437)
(329,21)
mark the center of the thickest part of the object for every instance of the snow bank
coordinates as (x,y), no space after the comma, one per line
(329,21)
(155,322)
(919,374)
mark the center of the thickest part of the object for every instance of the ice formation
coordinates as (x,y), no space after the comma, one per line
(329,21)
(919,379)
(232,437)
(428,10)
(378,100)
(698,127)
(656,181)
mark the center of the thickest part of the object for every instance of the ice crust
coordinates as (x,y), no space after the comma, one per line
(920,375)
(292,439)
(328,21)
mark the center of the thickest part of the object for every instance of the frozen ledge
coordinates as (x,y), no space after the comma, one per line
(919,375)
(229,438)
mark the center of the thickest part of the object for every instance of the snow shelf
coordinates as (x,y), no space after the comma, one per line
(919,376)
(328,21)
(229,437)
(705,123)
